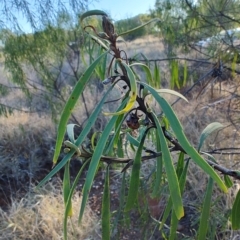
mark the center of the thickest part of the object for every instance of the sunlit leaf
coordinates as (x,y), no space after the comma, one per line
(169,91)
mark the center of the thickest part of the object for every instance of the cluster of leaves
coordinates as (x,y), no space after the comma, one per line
(163,126)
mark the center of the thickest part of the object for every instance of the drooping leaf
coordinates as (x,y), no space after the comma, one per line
(228,181)
(182,182)
(204,219)
(178,130)
(147,71)
(169,91)
(70,132)
(173,183)
(207,131)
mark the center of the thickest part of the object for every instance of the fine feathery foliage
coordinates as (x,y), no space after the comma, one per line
(135,113)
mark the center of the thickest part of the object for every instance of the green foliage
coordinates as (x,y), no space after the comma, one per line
(131,23)
(161,125)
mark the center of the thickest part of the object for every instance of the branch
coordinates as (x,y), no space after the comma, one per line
(129,161)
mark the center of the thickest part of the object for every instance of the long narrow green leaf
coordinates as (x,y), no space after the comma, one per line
(178,130)
(118,130)
(182,176)
(180,164)
(159,168)
(66,187)
(169,91)
(72,100)
(204,220)
(68,204)
(182,182)
(95,161)
(235,213)
(137,28)
(118,126)
(106,208)
(135,176)
(133,141)
(207,131)
(173,183)
(228,181)
(56,169)
(80,138)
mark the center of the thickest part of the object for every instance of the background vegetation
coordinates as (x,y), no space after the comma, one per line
(190,50)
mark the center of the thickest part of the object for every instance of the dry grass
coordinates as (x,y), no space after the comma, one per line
(40,216)
(154,49)
(26,145)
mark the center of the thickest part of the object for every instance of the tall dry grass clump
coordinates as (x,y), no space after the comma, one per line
(39,216)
